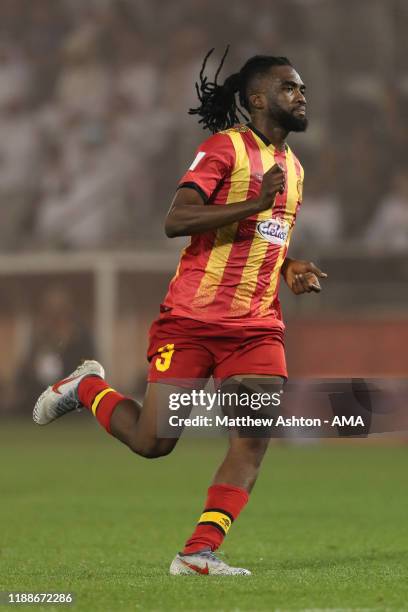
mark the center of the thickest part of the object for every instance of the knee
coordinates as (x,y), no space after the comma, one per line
(153,450)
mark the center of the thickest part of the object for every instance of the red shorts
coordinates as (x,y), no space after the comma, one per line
(182,348)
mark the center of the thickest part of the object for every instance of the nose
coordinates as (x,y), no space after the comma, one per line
(301,98)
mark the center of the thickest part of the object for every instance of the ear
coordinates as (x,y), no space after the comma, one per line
(257,101)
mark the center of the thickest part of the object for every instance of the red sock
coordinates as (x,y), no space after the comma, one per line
(96,395)
(223,505)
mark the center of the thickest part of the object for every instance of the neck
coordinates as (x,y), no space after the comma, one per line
(272,130)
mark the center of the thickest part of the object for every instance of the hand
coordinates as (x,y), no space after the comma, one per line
(272,183)
(302,276)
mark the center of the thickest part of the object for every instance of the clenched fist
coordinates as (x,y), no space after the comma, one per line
(273,182)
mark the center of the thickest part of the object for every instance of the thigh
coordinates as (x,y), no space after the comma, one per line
(252,413)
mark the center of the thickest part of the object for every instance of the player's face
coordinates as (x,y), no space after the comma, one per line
(285,98)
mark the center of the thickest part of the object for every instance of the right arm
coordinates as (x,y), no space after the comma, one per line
(190,215)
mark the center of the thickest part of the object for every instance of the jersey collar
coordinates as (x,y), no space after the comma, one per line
(261,136)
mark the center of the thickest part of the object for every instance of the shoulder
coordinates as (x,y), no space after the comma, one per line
(215,141)
(219,146)
(236,142)
(224,145)
(225,138)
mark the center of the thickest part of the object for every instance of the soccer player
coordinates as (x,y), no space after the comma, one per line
(221,316)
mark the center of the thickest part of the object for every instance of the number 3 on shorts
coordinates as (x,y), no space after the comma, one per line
(166,353)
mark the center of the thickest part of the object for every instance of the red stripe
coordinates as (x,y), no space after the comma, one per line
(272,253)
(240,249)
(185,283)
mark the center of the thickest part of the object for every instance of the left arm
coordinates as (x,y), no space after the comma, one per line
(302,276)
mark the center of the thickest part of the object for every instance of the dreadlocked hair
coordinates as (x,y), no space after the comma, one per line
(218,108)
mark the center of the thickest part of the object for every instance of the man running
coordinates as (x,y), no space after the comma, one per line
(221,316)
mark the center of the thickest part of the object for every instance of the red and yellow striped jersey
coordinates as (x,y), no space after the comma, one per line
(231,275)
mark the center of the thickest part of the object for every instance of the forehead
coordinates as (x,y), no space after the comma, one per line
(280,74)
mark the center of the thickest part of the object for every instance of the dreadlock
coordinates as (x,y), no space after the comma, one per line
(218,108)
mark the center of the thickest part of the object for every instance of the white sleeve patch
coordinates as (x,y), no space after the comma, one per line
(197,160)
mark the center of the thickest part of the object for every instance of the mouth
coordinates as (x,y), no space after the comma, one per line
(300,110)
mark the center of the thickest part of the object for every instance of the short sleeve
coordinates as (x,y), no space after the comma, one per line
(213,162)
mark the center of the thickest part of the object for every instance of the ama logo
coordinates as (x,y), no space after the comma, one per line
(274,230)
(351,421)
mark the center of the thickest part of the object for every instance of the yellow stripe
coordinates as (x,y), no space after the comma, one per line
(266,300)
(219,518)
(292,178)
(290,209)
(98,398)
(243,295)
(225,235)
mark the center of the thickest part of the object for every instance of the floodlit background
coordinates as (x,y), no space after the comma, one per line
(95,135)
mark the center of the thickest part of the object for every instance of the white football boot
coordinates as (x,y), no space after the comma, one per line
(203,563)
(62,397)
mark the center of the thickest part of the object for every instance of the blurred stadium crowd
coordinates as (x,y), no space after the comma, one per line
(95,131)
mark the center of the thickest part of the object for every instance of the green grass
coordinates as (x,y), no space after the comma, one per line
(326,526)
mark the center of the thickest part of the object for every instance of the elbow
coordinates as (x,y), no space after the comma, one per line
(173,228)
(170,229)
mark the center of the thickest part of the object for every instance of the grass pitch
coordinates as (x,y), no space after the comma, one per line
(326,526)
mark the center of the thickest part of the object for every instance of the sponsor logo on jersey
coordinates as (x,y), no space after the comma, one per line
(274,230)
